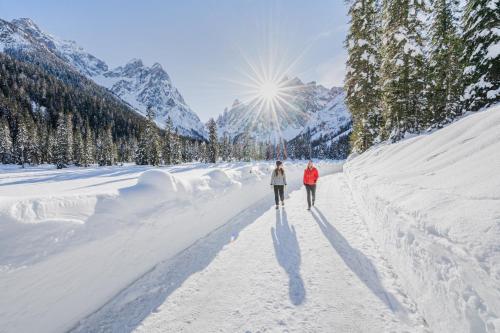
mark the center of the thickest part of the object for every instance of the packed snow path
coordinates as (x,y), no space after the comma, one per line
(267,270)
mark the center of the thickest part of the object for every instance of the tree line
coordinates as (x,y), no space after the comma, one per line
(407,76)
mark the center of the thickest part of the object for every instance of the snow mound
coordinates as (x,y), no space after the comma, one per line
(219,179)
(433,204)
(162,181)
(72,209)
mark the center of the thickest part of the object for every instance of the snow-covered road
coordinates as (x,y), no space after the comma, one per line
(288,270)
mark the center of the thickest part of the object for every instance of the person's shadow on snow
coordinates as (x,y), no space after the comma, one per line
(286,247)
(357,261)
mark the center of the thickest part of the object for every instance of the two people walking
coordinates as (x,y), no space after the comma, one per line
(278,183)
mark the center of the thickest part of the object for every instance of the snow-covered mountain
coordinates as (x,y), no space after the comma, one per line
(136,84)
(142,86)
(310,108)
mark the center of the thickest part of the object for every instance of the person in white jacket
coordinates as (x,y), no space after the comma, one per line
(278,183)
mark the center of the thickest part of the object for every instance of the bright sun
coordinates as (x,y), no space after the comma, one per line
(269,91)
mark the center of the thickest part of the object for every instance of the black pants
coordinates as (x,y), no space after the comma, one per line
(279,193)
(311,191)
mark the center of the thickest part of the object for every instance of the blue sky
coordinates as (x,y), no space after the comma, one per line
(202,44)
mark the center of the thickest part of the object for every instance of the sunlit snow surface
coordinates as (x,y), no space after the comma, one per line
(433,204)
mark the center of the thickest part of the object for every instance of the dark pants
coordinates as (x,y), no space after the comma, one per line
(279,193)
(311,191)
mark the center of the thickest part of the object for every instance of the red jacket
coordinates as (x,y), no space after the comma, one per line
(311,176)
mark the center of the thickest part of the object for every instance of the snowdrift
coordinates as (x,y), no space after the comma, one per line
(49,282)
(433,204)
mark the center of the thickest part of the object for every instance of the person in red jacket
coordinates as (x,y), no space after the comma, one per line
(311,176)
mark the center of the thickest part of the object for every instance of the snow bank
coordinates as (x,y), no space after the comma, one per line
(433,204)
(49,283)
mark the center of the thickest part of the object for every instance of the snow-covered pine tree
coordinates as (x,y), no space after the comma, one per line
(69,133)
(167,142)
(362,82)
(43,132)
(5,142)
(78,149)
(50,143)
(88,147)
(225,148)
(22,142)
(195,146)
(35,150)
(108,148)
(62,148)
(444,75)
(149,152)
(402,67)
(213,149)
(203,152)
(176,154)
(481,40)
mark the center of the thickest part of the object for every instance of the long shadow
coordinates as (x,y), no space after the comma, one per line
(286,247)
(359,263)
(126,311)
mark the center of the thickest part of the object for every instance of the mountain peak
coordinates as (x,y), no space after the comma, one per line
(25,22)
(136,62)
(157,65)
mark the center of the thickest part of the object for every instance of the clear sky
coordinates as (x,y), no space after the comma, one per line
(202,44)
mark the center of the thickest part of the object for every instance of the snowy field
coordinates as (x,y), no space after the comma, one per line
(71,239)
(405,239)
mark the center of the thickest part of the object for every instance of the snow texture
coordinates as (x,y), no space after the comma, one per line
(433,205)
(72,239)
(268,270)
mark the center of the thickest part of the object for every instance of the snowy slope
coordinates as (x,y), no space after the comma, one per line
(71,239)
(136,84)
(311,107)
(143,86)
(433,203)
(68,50)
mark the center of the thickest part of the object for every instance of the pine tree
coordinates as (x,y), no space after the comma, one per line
(5,142)
(106,148)
(149,152)
(69,133)
(203,152)
(63,147)
(402,68)
(78,149)
(22,142)
(362,82)
(481,55)
(176,153)
(196,151)
(213,149)
(88,147)
(225,147)
(167,142)
(35,150)
(445,85)
(50,141)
